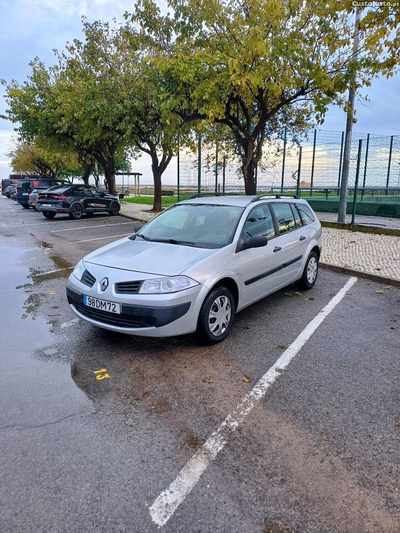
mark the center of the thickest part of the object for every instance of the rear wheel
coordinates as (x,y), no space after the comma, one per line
(49,214)
(310,273)
(25,205)
(76,211)
(114,209)
(216,315)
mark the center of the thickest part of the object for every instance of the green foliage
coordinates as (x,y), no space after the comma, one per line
(256,65)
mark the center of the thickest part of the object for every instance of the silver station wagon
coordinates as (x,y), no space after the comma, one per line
(197,264)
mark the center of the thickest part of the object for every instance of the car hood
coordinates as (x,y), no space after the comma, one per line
(148,257)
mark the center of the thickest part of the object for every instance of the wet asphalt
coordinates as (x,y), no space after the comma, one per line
(319,453)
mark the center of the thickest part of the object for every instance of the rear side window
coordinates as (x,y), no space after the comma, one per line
(259,222)
(306,214)
(296,214)
(284,217)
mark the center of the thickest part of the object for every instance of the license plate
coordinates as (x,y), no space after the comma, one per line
(47,205)
(25,194)
(102,305)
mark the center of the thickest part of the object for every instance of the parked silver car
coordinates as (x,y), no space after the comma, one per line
(197,264)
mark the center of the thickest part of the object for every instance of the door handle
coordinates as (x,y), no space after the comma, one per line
(277,249)
(302,238)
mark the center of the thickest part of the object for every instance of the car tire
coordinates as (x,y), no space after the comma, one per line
(49,214)
(214,329)
(310,273)
(75,211)
(114,209)
(25,206)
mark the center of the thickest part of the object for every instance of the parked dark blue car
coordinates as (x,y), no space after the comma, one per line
(26,186)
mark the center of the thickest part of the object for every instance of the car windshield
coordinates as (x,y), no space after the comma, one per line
(200,225)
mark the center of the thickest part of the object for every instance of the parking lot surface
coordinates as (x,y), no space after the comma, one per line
(95,426)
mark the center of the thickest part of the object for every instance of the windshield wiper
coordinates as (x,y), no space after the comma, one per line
(143,237)
(175,241)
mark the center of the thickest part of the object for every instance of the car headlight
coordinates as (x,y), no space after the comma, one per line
(79,270)
(167,285)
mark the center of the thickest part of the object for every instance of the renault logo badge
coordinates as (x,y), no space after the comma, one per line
(103,284)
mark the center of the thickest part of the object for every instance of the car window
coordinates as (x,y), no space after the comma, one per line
(202,225)
(81,191)
(259,222)
(95,192)
(306,214)
(284,217)
(296,214)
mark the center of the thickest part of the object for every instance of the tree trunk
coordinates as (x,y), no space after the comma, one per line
(157,189)
(87,171)
(109,174)
(248,168)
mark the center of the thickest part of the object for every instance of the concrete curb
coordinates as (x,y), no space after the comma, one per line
(360,274)
(376,230)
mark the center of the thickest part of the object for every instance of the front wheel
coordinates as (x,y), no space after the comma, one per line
(76,211)
(114,209)
(49,214)
(216,315)
(310,273)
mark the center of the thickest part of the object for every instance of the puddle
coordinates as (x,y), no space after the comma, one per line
(31,306)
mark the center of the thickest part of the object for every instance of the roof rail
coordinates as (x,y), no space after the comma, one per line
(261,196)
(204,195)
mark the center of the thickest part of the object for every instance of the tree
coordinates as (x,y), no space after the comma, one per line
(50,161)
(253,65)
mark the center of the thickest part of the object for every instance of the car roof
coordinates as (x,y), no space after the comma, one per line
(239,201)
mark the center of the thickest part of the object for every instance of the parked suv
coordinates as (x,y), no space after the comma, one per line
(76,200)
(197,264)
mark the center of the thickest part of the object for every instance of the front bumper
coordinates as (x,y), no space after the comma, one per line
(164,315)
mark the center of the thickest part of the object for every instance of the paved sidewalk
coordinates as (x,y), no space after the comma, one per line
(141,212)
(376,254)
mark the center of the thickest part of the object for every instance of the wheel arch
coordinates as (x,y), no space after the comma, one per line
(230,284)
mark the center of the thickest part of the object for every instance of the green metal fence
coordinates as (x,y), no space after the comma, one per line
(312,168)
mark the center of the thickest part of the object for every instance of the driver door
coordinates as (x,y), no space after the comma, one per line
(258,269)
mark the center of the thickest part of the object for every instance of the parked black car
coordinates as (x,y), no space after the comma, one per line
(76,200)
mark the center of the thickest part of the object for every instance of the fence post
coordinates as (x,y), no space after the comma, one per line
(283,160)
(340,163)
(299,172)
(178,172)
(353,214)
(313,161)
(223,174)
(255,177)
(216,168)
(199,167)
(365,167)
(389,164)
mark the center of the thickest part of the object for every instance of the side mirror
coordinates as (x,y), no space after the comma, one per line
(252,242)
(138,227)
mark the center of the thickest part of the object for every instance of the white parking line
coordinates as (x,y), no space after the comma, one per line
(89,227)
(106,237)
(169,500)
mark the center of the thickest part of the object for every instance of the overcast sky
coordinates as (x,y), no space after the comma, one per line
(30,28)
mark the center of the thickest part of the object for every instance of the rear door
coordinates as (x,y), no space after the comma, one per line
(293,239)
(258,269)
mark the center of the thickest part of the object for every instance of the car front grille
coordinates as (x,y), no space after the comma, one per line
(88,279)
(113,319)
(128,287)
